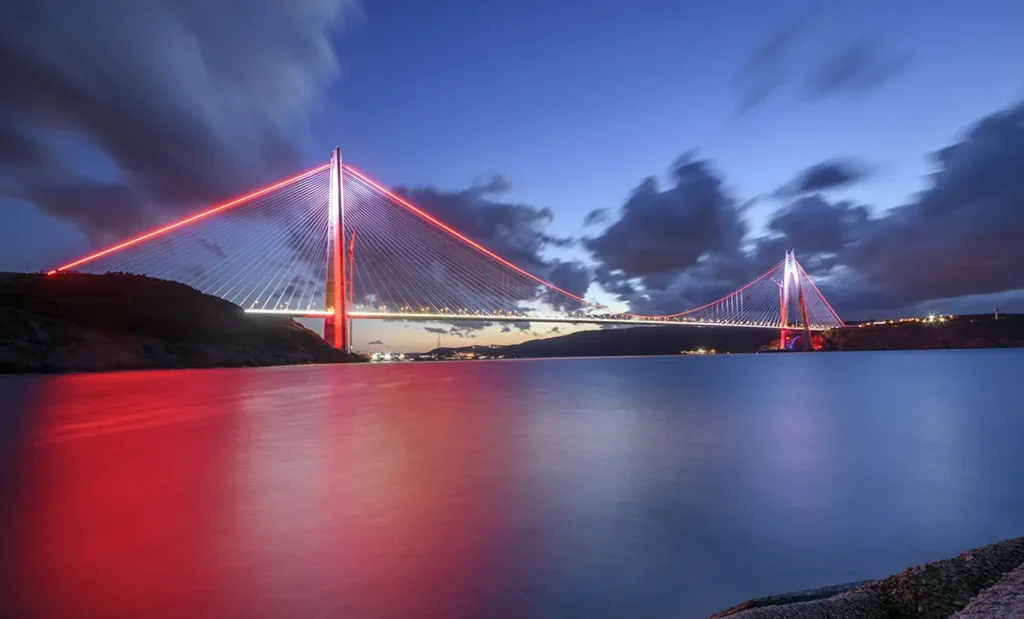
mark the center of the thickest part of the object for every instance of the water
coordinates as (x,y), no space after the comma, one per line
(657,487)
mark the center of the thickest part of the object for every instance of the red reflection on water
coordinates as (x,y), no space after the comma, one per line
(121,496)
(260,493)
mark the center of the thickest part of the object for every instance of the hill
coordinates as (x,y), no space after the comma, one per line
(78,322)
(975,331)
(668,340)
(966,331)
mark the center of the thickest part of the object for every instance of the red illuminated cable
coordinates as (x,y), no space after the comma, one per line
(188,220)
(461,237)
(362,177)
(690,311)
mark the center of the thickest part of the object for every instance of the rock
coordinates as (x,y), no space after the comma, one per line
(1004,600)
(934,590)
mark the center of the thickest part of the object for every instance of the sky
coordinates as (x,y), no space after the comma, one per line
(883,141)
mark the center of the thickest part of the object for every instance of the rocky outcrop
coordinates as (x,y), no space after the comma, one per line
(1004,600)
(75,322)
(936,590)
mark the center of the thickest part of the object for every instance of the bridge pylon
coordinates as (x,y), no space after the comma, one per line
(337,325)
(792,288)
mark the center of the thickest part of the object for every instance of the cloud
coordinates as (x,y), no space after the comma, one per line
(180,102)
(506,327)
(298,287)
(806,54)
(375,343)
(668,230)
(833,174)
(98,209)
(854,68)
(514,231)
(462,329)
(767,67)
(956,243)
(573,277)
(672,247)
(960,236)
(818,225)
(595,217)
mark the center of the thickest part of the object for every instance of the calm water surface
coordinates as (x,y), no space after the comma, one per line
(658,487)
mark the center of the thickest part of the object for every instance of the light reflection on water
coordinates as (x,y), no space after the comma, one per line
(590,487)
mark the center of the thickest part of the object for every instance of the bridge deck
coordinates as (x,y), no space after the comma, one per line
(567,319)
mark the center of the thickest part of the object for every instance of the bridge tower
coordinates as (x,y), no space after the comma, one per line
(791,285)
(338,326)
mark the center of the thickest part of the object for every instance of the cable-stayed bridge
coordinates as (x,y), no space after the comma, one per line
(332,243)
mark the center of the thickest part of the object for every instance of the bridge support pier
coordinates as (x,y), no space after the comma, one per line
(337,327)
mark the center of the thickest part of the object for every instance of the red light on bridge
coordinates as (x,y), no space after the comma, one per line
(187,220)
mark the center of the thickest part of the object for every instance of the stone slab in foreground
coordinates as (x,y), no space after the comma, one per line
(935,590)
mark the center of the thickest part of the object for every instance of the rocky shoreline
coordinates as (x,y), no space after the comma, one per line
(985,582)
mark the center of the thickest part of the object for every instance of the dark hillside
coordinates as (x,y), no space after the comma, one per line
(72,321)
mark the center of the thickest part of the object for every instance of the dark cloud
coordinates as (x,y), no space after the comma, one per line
(804,54)
(18,150)
(573,277)
(767,67)
(188,100)
(714,276)
(596,216)
(102,211)
(298,286)
(463,330)
(833,174)
(664,231)
(955,244)
(212,246)
(506,327)
(855,68)
(375,343)
(516,232)
(820,226)
(672,247)
(958,237)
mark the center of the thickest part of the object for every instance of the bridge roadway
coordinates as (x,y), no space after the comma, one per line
(566,319)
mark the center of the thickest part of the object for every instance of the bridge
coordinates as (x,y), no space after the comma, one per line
(332,243)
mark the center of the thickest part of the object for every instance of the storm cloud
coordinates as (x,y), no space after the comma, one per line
(180,104)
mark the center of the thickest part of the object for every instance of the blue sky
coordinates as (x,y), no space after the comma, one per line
(575,106)
(576,102)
